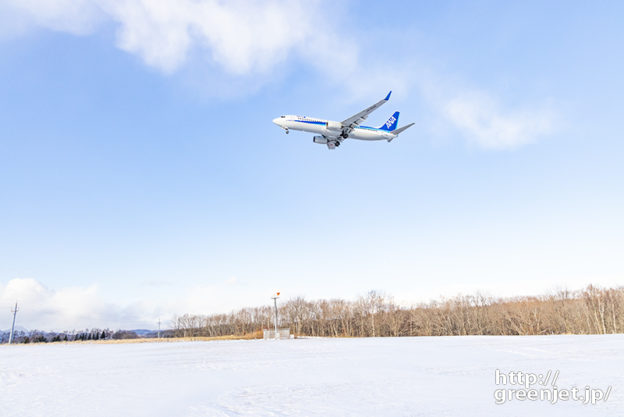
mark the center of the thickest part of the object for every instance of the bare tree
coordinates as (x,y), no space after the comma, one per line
(592,310)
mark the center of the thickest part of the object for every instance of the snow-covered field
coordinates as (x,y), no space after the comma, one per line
(428,376)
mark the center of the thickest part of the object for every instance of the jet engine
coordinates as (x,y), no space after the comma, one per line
(320,139)
(333,126)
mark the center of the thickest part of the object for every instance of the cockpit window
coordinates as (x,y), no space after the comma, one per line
(282,117)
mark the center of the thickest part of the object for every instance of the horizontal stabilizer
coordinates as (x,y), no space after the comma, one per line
(401,129)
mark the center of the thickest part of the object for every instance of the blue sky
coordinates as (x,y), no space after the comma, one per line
(141,176)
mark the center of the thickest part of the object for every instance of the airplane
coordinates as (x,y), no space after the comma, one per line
(334,133)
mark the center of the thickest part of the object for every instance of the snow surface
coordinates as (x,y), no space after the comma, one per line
(426,376)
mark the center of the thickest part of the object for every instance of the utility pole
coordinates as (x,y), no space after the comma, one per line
(275,297)
(14,311)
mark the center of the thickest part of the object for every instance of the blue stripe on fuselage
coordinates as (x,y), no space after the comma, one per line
(310,122)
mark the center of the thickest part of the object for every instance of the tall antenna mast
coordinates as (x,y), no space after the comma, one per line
(275,297)
(14,311)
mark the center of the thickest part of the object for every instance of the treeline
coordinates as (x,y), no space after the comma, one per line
(37,336)
(593,310)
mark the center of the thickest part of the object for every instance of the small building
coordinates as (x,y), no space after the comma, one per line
(283,333)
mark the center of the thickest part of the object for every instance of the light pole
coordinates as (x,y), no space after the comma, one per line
(275,297)
(14,311)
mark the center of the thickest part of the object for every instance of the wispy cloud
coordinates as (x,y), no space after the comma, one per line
(241,43)
(484,118)
(484,121)
(241,37)
(79,17)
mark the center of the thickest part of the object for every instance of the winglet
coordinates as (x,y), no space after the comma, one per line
(388,96)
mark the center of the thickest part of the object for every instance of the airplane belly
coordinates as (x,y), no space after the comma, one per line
(365,134)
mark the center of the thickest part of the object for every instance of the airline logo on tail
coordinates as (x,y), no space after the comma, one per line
(392,122)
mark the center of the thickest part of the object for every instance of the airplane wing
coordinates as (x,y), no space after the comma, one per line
(355,120)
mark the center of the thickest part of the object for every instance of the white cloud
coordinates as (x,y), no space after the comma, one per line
(81,307)
(78,17)
(484,121)
(64,309)
(483,118)
(241,37)
(240,44)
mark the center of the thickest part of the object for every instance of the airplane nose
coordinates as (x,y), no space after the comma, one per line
(277,121)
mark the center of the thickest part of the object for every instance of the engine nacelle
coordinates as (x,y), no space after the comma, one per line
(333,126)
(320,139)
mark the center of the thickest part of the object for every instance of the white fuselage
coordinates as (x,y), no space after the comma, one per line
(330,128)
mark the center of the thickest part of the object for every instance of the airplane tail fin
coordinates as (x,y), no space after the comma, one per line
(391,124)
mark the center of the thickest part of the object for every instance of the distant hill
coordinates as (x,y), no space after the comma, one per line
(144,332)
